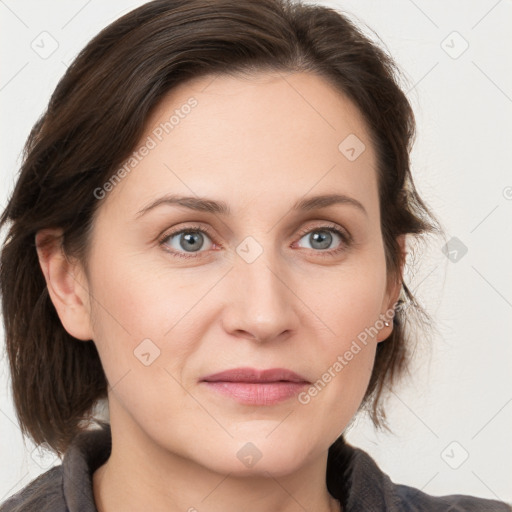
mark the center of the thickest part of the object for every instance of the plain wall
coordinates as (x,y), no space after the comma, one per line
(452,421)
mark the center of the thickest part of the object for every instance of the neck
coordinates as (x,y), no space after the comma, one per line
(141,475)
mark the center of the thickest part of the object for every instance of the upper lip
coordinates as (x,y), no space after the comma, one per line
(254,375)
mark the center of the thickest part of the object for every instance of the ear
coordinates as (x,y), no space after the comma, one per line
(392,295)
(66,284)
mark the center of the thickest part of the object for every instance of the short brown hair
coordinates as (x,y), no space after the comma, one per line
(95,118)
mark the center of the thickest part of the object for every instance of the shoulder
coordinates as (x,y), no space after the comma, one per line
(43,494)
(67,487)
(414,500)
(356,479)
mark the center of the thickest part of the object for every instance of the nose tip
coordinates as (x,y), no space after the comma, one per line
(263,307)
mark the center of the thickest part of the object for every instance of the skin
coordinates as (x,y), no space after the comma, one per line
(259,144)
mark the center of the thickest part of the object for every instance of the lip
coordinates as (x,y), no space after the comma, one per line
(256,387)
(252,375)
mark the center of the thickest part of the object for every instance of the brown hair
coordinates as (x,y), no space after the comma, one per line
(94,120)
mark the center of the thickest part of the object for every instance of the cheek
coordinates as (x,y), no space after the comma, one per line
(344,362)
(353,297)
(138,314)
(348,351)
(140,297)
(351,310)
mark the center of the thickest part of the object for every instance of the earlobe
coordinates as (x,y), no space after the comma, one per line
(65,282)
(393,295)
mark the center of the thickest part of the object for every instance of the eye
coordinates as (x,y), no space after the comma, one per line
(188,239)
(321,238)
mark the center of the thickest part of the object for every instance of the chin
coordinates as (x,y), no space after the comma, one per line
(258,456)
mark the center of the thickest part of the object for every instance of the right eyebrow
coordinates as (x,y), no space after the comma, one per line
(193,203)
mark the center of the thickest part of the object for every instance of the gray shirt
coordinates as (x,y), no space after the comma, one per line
(353,478)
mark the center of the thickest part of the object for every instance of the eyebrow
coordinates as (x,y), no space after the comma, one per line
(201,204)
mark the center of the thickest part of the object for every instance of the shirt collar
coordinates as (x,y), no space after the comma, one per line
(349,470)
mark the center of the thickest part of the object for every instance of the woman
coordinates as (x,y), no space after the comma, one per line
(209,231)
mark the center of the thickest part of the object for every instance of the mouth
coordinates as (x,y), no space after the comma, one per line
(252,375)
(256,387)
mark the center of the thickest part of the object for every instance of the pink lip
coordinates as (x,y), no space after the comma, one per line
(257,387)
(254,375)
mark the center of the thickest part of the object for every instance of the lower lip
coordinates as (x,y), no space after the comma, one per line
(265,393)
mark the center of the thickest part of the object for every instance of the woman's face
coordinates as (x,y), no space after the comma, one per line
(268,285)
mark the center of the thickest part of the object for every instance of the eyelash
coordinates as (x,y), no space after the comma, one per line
(345,237)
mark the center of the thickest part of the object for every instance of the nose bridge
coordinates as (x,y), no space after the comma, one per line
(263,305)
(259,269)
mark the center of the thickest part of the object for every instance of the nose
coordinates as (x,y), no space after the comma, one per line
(261,305)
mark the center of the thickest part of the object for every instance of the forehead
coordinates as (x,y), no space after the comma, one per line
(266,137)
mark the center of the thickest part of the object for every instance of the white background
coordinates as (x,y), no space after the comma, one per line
(460,401)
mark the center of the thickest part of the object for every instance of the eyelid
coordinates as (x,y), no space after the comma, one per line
(347,237)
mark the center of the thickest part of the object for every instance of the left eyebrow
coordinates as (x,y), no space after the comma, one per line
(323,201)
(220,207)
